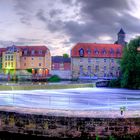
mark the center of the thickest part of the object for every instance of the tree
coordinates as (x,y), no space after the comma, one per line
(65,55)
(130,65)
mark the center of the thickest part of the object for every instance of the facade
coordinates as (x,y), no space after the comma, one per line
(36,59)
(95,60)
(61,66)
(61,63)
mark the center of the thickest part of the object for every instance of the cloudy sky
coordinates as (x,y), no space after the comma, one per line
(59,24)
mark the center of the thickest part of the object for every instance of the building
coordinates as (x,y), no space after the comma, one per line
(61,63)
(17,59)
(121,38)
(61,66)
(96,60)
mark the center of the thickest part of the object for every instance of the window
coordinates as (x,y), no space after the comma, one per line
(24,58)
(24,64)
(81,70)
(89,60)
(5,64)
(89,69)
(118,68)
(104,60)
(32,64)
(97,68)
(32,58)
(118,51)
(8,64)
(81,59)
(112,60)
(96,51)
(11,57)
(112,68)
(104,67)
(111,51)
(5,58)
(104,51)
(40,51)
(39,64)
(25,52)
(33,52)
(8,57)
(88,51)
(11,64)
(81,52)
(40,58)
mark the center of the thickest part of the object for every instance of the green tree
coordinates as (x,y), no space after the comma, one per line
(65,55)
(130,65)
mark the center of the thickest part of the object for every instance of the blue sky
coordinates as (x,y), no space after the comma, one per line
(60,24)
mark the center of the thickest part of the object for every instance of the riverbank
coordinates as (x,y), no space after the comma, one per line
(43,86)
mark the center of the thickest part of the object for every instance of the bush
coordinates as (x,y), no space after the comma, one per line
(115,83)
(54,78)
(29,70)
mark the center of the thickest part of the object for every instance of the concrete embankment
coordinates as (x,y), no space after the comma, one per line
(52,124)
(47,86)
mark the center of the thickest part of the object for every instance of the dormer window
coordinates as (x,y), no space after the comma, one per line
(104,51)
(111,51)
(40,51)
(88,51)
(81,52)
(118,51)
(33,52)
(25,52)
(96,51)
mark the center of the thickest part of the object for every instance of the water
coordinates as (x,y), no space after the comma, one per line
(73,99)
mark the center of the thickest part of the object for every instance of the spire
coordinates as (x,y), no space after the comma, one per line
(121,31)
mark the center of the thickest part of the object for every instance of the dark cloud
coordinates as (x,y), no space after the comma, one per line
(23,10)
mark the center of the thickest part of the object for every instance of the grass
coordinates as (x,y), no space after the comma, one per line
(34,87)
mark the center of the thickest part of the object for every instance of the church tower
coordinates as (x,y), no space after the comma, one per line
(121,38)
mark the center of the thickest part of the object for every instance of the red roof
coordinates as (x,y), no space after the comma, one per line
(36,49)
(97,50)
(2,50)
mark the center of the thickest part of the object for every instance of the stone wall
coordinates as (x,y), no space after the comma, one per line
(69,127)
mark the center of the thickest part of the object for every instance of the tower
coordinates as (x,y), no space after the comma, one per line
(121,38)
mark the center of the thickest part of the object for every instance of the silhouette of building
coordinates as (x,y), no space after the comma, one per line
(121,38)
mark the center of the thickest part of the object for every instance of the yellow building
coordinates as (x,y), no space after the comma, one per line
(36,59)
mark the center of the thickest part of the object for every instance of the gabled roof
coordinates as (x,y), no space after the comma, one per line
(93,47)
(60,59)
(35,48)
(121,31)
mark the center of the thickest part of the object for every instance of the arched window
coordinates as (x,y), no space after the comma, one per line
(81,52)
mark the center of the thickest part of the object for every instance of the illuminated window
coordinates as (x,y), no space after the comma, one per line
(11,64)
(5,64)
(6,58)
